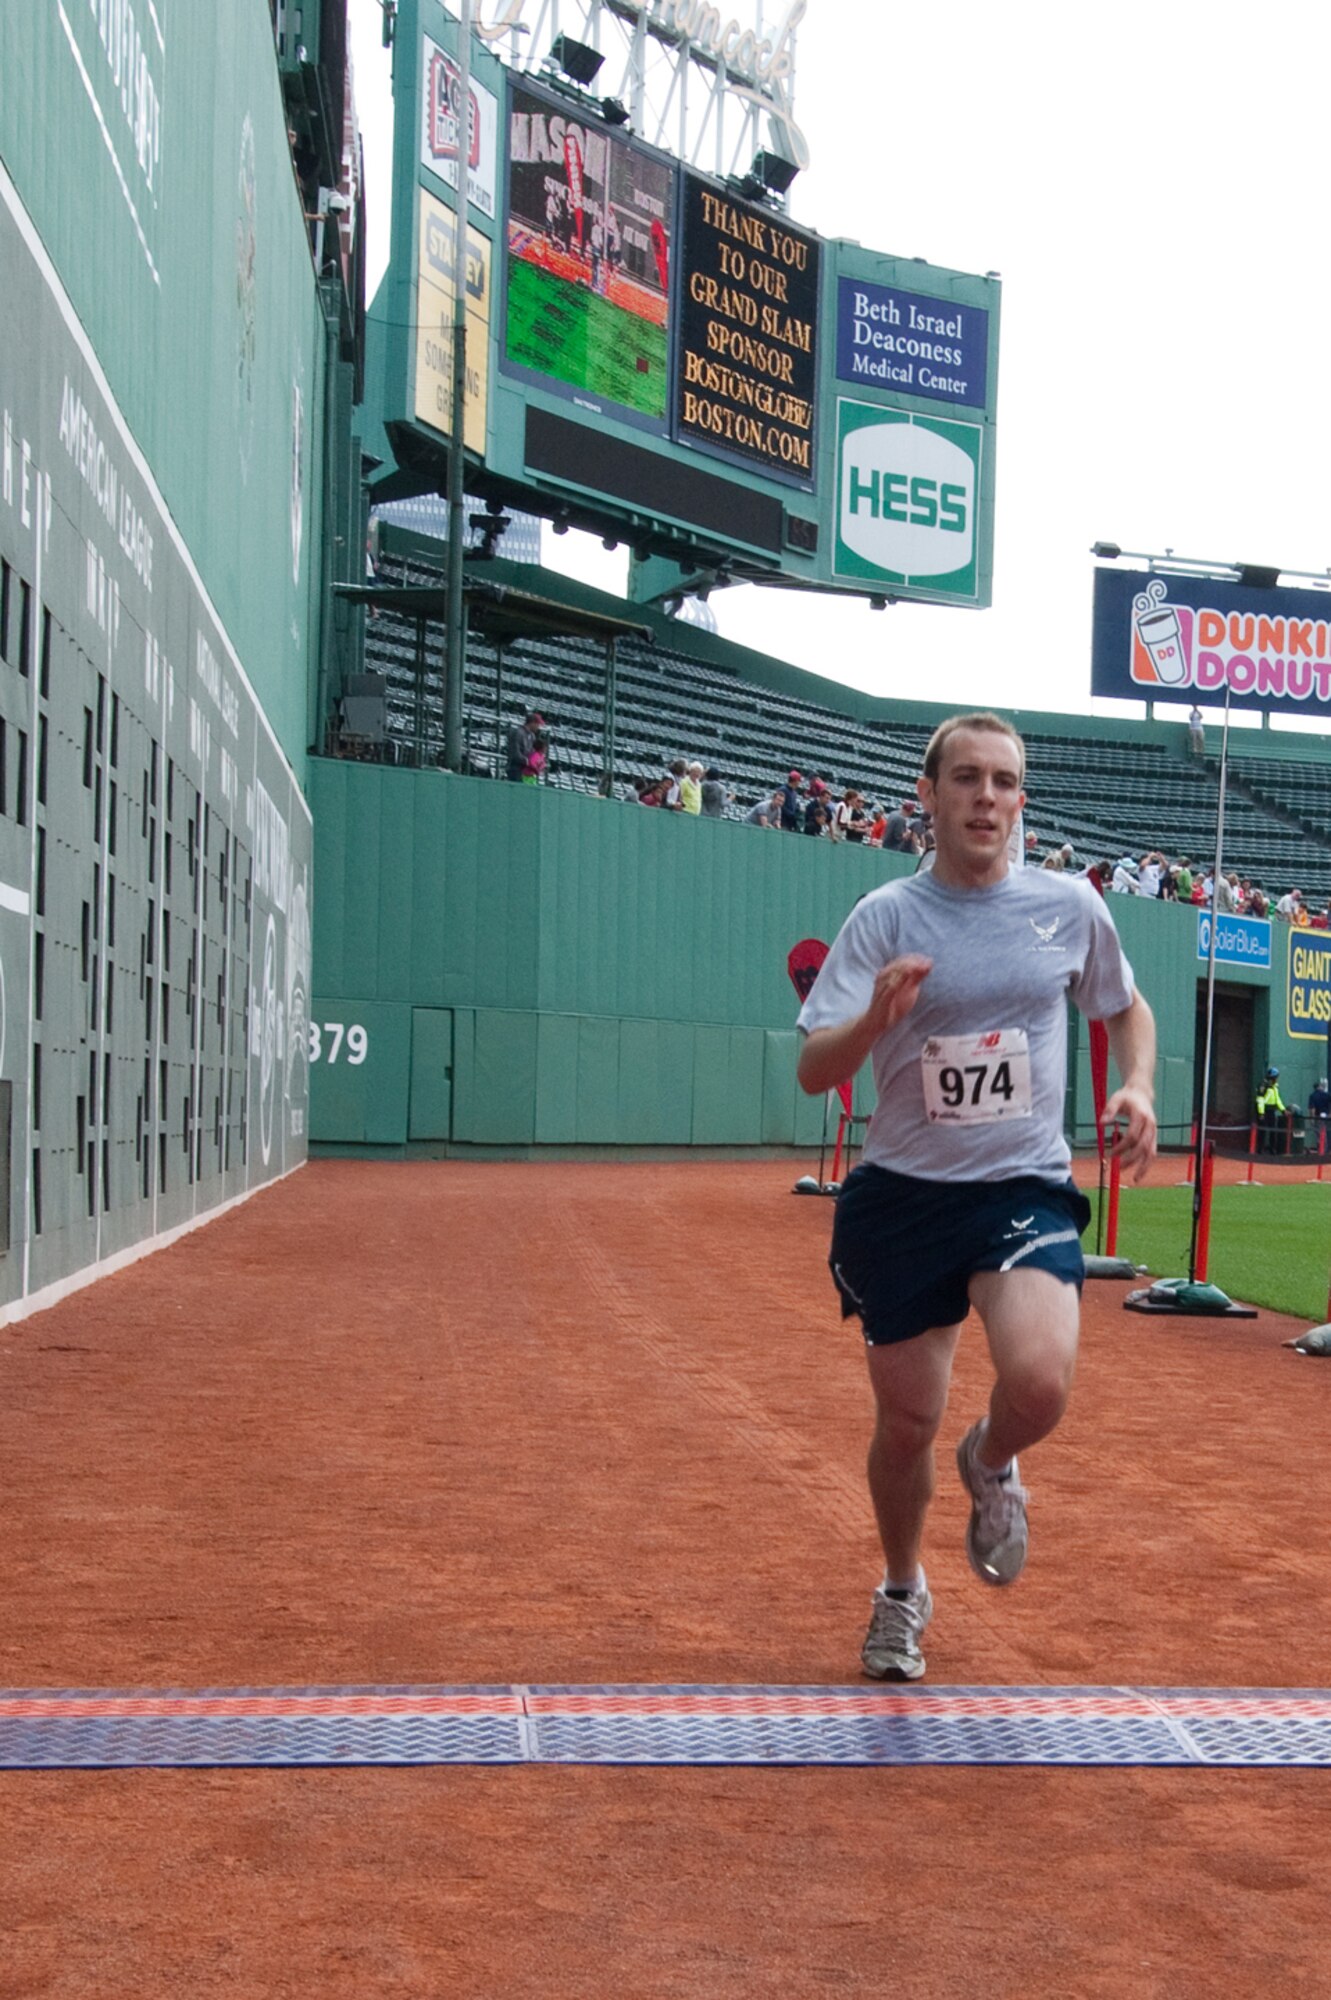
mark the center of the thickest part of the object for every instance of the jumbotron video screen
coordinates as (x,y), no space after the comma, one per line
(590,221)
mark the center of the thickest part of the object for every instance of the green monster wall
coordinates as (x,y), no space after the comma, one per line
(531,967)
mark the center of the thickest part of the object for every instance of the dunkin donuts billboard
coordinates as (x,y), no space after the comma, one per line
(1189,638)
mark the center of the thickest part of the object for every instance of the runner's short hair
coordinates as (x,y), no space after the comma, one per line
(981,719)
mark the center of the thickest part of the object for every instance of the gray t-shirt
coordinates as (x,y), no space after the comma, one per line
(1004,958)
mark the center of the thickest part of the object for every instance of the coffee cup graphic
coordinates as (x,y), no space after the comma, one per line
(1158,628)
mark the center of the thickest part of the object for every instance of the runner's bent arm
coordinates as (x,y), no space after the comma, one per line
(832,1055)
(1132,1043)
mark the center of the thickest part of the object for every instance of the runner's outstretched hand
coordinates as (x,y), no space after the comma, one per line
(895,991)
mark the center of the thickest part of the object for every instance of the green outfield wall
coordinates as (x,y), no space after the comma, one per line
(162,345)
(149,147)
(524,967)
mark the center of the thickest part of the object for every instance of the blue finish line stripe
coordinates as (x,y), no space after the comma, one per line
(92,1729)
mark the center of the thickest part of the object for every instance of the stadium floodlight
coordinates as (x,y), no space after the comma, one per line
(1257,576)
(614,111)
(578,62)
(770,175)
(774,171)
(1107,551)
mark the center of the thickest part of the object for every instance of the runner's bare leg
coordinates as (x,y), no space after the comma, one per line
(910,1383)
(1031,1319)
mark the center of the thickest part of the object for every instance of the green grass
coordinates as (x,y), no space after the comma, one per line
(1270,1246)
(580,338)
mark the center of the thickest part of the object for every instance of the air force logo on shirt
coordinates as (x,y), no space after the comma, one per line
(1045,934)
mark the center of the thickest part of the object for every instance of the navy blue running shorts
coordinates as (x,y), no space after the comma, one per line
(903,1249)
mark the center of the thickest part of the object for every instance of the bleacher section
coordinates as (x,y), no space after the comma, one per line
(1108,798)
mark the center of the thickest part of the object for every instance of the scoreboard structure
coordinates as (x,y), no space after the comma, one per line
(656,358)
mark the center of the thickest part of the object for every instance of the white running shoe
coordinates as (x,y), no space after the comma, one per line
(997,1537)
(891,1650)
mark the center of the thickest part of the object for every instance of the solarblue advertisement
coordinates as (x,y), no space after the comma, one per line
(1238,940)
(1189,638)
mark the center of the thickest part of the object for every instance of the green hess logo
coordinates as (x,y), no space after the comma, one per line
(908,492)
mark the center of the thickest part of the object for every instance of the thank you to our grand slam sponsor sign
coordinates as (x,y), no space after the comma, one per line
(748,342)
(908,490)
(910,343)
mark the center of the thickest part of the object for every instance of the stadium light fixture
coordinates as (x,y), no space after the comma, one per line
(578,62)
(1107,551)
(1257,576)
(614,111)
(774,171)
(770,175)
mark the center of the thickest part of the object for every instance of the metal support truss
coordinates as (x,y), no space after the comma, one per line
(665,61)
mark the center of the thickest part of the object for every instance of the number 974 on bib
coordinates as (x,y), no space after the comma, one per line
(976,1079)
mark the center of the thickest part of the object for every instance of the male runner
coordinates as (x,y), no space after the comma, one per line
(956,982)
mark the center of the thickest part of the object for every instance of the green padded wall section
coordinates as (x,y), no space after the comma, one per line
(535,967)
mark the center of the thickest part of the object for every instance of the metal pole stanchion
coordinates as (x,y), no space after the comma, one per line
(456,654)
(1210,995)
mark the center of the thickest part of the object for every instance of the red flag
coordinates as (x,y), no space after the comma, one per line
(1099,1053)
(804,962)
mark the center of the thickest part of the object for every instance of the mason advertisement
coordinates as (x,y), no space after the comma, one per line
(1189,638)
(907,501)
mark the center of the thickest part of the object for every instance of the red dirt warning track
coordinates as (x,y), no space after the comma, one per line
(581,1423)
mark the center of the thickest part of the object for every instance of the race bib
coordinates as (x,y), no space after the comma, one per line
(975,1079)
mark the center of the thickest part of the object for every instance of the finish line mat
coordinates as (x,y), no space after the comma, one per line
(90,1729)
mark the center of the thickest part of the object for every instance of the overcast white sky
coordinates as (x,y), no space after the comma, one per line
(1151,182)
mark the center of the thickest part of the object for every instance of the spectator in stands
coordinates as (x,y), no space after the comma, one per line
(690,790)
(791,810)
(1259,903)
(1151,868)
(1288,906)
(652,791)
(1183,880)
(1227,896)
(1202,886)
(899,837)
(521,744)
(766,812)
(1103,872)
(1319,1106)
(877,826)
(673,800)
(714,795)
(1032,849)
(1196,733)
(1053,861)
(1125,881)
(537,759)
(848,820)
(1321,919)
(817,814)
